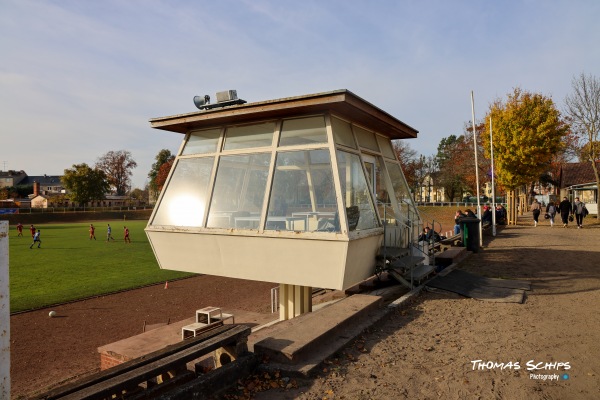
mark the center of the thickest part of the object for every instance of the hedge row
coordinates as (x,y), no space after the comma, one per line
(45,218)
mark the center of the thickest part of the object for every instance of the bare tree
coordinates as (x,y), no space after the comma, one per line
(118,166)
(583,107)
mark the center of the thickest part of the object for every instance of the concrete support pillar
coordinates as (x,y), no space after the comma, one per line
(4,314)
(294,300)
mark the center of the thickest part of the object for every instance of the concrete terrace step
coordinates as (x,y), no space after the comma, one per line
(299,345)
(451,256)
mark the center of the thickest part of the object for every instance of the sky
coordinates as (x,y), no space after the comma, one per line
(81,78)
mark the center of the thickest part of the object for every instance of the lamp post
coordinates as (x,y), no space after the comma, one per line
(429,189)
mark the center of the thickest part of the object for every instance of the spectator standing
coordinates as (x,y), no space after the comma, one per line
(92,232)
(20,229)
(551,212)
(36,239)
(565,209)
(578,209)
(536,209)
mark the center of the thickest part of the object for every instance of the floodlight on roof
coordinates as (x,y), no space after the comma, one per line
(201,101)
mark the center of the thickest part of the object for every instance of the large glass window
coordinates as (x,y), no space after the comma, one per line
(201,142)
(356,193)
(401,191)
(239,191)
(303,196)
(247,136)
(185,197)
(303,131)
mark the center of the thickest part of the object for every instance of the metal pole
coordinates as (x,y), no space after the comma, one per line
(493,187)
(476,168)
(4,314)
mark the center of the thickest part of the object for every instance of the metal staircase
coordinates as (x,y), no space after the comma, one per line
(402,256)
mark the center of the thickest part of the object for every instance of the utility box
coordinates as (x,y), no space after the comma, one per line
(227,95)
(470,233)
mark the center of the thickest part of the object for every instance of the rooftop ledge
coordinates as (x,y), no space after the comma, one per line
(339,102)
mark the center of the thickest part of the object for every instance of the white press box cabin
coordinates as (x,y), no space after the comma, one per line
(293,191)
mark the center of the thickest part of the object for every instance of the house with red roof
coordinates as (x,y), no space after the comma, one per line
(578,180)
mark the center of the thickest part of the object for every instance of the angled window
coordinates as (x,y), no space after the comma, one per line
(386,147)
(185,197)
(239,191)
(303,195)
(366,139)
(298,131)
(342,132)
(201,142)
(249,136)
(356,193)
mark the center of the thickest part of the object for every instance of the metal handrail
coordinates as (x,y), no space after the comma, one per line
(410,224)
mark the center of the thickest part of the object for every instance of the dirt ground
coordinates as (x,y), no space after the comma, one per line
(429,349)
(426,349)
(46,351)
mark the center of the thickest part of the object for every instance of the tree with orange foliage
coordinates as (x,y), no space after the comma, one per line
(527,133)
(163,173)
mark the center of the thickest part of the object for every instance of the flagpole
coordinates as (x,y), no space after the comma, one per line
(493,186)
(476,169)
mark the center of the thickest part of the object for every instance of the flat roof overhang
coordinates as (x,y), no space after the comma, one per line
(340,102)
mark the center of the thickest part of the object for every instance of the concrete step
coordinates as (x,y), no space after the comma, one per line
(450,256)
(299,345)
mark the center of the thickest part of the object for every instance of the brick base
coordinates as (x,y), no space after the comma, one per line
(111,360)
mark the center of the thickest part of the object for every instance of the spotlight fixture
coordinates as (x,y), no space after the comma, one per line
(202,101)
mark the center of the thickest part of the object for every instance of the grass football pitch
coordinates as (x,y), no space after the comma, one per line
(69,266)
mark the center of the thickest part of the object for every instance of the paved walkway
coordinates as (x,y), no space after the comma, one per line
(430,348)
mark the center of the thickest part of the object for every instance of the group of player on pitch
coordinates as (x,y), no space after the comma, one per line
(35,234)
(109,234)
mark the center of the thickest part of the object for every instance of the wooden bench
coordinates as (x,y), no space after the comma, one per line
(159,371)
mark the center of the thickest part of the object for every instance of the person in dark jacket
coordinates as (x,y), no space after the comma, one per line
(486,216)
(565,209)
(501,215)
(551,212)
(578,208)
